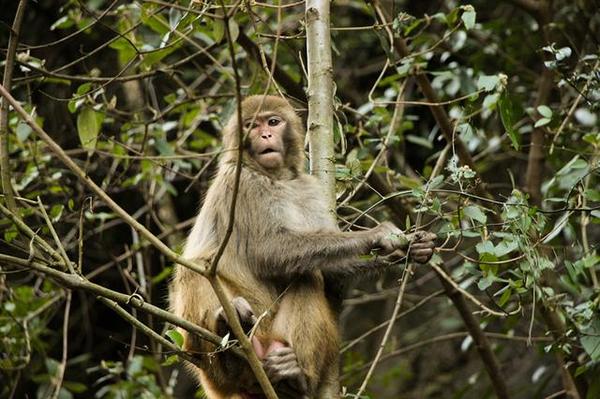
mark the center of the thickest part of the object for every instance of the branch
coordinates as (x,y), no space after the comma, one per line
(72,281)
(320,96)
(31,234)
(150,333)
(6,82)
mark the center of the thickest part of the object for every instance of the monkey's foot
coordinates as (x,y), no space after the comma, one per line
(245,314)
(284,372)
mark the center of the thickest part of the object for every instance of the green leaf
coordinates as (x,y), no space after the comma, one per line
(592,195)
(475,213)
(505,297)
(88,126)
(56,212)
(485,282)
(23,131)
(234,30)
(163,147)
(487,82)
(509,116)
(545,111)
(568,166)
(558,227)
(590,340)
(218,30)
(171,360)
(505,247)
(84,88)
(75,387)
(151,58)
(468,17)
(490,100)
(542,122)
(124,48)
(63,22)
(175,16)
(409,182)
(419,141)
(176,337)
(486,247)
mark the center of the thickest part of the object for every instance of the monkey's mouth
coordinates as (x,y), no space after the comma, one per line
(268,151)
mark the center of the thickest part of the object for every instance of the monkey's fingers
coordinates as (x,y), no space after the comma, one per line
(396,256)
(422,245)
(421,255)
(286,371)
(279,359)
(423,236)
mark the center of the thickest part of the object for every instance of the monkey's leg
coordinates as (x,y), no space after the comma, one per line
(305,321)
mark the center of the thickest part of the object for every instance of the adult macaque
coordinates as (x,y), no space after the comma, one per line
(284,240)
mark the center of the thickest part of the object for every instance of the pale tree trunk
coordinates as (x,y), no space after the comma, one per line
(320,96)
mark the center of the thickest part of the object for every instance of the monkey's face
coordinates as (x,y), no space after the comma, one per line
(266,139)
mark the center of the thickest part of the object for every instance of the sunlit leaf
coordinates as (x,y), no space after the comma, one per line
(468,17)
(176,337)
(487,82)
(88,126)
(545,111)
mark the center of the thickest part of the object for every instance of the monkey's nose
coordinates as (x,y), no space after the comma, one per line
(266,135)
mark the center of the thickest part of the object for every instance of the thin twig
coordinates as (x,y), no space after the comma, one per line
(60,373)
(30,233)
(387,322)
(61,248)
(406,273)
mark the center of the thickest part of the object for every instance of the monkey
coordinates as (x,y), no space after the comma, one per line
(284,242)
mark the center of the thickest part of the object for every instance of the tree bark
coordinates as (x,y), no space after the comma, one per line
(320,96)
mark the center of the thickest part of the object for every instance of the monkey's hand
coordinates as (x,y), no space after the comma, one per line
(245,314)
(422,245)
(389,238)
(286,375)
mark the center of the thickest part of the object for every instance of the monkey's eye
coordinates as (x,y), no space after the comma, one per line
(273,121)
(250,125)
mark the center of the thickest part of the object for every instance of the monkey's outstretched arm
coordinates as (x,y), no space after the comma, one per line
(290,252)
(344,253)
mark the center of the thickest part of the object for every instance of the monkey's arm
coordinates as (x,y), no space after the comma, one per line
(420,249)
(291,252)
(367,264)
(343,253)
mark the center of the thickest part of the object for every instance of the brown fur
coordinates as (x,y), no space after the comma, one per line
(284,239)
